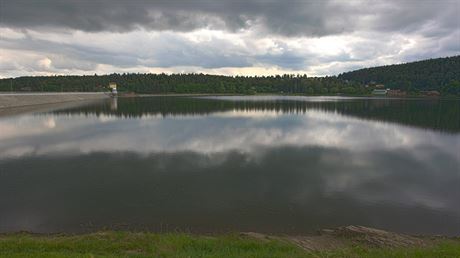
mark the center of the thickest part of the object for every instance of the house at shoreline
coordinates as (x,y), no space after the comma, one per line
(430,93)
(396,93)
(380,92)
(379,89)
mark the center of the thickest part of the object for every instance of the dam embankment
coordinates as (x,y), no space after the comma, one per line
(17,100)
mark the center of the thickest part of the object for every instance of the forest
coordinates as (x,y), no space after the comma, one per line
(442,74)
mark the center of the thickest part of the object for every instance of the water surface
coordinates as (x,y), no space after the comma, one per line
(217,164)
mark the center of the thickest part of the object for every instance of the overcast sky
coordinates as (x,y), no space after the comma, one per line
(250,37)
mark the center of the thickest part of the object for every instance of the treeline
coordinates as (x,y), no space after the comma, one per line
(441,74)
(187,83)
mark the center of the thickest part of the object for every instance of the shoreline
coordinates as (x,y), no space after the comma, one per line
(349,241)
(276,94)
(18,99)
(13,103)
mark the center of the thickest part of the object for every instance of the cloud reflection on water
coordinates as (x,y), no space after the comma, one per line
(248,170)
(218,132)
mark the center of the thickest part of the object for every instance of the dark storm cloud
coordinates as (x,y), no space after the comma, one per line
(57,36)
(215,53)
(289,18)
(292,59)
(89,56)
(432,17)
(170,50)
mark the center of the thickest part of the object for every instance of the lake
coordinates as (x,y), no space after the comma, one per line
(270,164)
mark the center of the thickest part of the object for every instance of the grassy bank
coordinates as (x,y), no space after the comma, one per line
(126,244)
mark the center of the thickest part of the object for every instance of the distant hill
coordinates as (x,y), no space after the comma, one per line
(432,74)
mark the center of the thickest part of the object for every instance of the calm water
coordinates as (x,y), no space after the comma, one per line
(266,164)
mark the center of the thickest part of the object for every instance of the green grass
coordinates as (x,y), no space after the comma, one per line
(126,244)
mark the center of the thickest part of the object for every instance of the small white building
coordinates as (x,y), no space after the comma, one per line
(113,87)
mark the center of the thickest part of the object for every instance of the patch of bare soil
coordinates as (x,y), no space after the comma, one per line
(375,237)
(330,239)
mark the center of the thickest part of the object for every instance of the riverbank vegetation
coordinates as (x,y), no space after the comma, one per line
(440,75)
(129,244)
